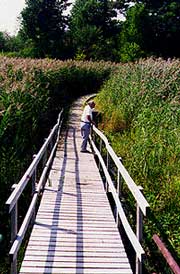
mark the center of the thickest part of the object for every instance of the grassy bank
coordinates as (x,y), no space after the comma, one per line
(32,93)
(140,107)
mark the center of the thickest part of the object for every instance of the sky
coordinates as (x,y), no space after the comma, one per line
(9,12)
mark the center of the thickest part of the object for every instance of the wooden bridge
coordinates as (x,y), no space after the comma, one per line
(75,230)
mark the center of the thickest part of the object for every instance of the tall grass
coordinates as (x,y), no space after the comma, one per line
(141,113)
(31,94)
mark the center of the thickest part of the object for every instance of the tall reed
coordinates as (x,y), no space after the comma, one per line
(140,106)
(31,94)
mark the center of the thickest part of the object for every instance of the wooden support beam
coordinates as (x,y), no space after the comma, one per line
(166,254)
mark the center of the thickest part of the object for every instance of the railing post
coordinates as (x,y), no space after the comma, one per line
(34,179)
(100,150)
(118,193)
(14,229)
(92,133)
(34,187)
(45,156)
(107,166)
(119,181)
(51,142)
(119,190)
(139,233)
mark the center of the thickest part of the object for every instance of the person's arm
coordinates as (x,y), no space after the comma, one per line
(90,120)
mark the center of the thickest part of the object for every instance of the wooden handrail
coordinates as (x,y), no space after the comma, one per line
(131,235)
(166,254)
(22,231)
(17,237)
(141,201)
(12,200)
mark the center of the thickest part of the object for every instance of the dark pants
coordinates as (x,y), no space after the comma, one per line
(85,131)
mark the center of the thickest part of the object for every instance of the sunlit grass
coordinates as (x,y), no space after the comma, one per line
(140,107)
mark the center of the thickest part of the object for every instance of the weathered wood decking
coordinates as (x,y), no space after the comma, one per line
(74,231)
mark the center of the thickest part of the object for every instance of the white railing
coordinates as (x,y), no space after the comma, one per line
(45,154)
(141,203)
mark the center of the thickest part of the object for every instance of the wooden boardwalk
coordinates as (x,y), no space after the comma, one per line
(74,231)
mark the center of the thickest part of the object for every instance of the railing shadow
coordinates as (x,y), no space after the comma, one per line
(53,234)
(79,239)
(54,227)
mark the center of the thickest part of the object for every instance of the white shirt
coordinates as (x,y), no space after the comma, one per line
(87,111)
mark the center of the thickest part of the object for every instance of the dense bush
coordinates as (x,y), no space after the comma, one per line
(32,93)
(141,113)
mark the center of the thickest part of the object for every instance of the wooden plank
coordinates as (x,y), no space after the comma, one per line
(75,206)
(75,230)
(77,240)
(77,223)
(80,211)
(72,218)
(79,234)
(97,245)
(70,259)
(77,270)
(76,249)
(71,214)
(76,198)
(80,204)
(102,265)
(73,237)
(61,255)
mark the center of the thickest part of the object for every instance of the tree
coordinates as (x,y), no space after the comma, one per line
(160,27)
(2,41)
(133,34)
(164,31)
(9,43)
(44,23)
(93,29)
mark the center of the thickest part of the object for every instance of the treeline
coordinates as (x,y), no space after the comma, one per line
(92,30)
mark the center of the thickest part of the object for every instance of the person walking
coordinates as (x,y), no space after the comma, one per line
(86,121)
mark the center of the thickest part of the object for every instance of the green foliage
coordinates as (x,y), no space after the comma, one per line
(159,28)
(80,56)
(164,28)
(132,34)
(44,23)
(2,41)
(9,43)
(93,29)
(150,28)
(130,51)
(140,107)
